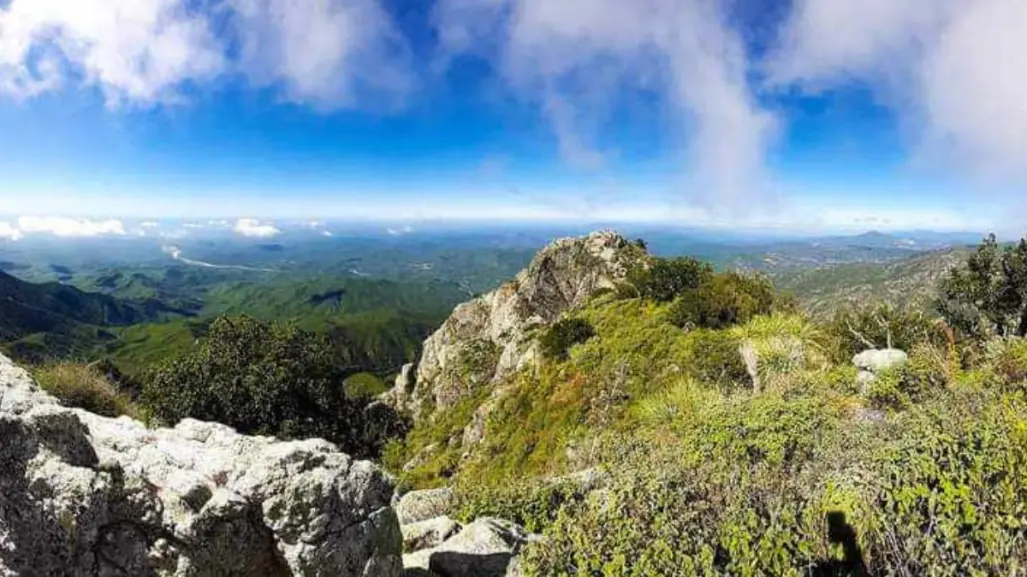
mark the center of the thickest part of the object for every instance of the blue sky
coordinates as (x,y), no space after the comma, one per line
(812,114)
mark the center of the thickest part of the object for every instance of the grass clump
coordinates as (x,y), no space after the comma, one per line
(86,387)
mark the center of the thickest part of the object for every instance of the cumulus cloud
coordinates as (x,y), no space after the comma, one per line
(325,52)
(9,232)
(69,227)
(254,228)
(575,58)
(951,68)
(133,50)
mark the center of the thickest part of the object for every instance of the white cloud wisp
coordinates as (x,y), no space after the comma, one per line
(253,228)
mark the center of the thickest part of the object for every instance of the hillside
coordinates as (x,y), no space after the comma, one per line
(646,426)
(38,320)
(908,281)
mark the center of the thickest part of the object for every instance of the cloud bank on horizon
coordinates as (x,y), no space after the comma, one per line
(952,71)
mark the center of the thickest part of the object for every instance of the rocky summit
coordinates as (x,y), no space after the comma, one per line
(83,495)
(491,337)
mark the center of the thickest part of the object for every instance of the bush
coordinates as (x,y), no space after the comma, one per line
(86,387)
(266,379)
(715,359)
(855,330)
(722,301)
(557,341)
(665,279)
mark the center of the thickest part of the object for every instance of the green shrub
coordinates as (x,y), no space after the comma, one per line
(559,338)
(665,279)
(714,360)
(86,387)
(268,379)
(723,300)
(855,330)
(364,386)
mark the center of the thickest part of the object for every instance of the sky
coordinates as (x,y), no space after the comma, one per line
(796,114)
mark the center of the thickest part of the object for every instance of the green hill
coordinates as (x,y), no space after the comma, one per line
(51,319)
(909,281)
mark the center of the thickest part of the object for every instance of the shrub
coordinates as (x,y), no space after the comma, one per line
(557,341)
(714,359)
(723,300)
(268,379)
(855,330)
(665,279)
(86,387)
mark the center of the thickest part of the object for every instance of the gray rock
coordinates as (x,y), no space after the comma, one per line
(562,277)
(85,495)
(864,379)
(418,506)
(486,548)
(427,534)
(877,361)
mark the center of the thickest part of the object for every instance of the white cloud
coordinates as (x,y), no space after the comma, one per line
(326,233)
(133,50)
(328,53)
(9,232)
(577,58)
(149,224)
(192,225)
(69,227)
(254,228)
(952,69)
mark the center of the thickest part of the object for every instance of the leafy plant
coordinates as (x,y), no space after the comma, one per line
(565,333)
(270,379)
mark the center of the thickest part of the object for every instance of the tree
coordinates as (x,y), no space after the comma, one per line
(988,295)
(267,379)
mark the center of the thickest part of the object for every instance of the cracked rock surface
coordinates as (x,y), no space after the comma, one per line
(84,495)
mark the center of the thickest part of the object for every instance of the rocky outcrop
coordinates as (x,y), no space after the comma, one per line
(83,495)
(490,338)
(487,547)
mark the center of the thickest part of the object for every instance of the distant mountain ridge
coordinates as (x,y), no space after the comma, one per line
(52,318)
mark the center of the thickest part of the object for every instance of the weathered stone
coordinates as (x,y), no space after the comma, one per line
(485,548)
(423,505)
(562,277)
(877,361)
(427,534)
(864,379)
(85,495)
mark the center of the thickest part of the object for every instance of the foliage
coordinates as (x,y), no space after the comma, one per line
(988,295)
(260,378)
(565,333)
(665,279)
(853,330)
(85,387)
(723,300)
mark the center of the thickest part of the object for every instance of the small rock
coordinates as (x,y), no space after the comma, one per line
(864,379)
(877,361)
(423,505)
(427,534)
(487,547)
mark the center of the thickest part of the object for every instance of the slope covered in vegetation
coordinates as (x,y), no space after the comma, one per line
(741,439)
